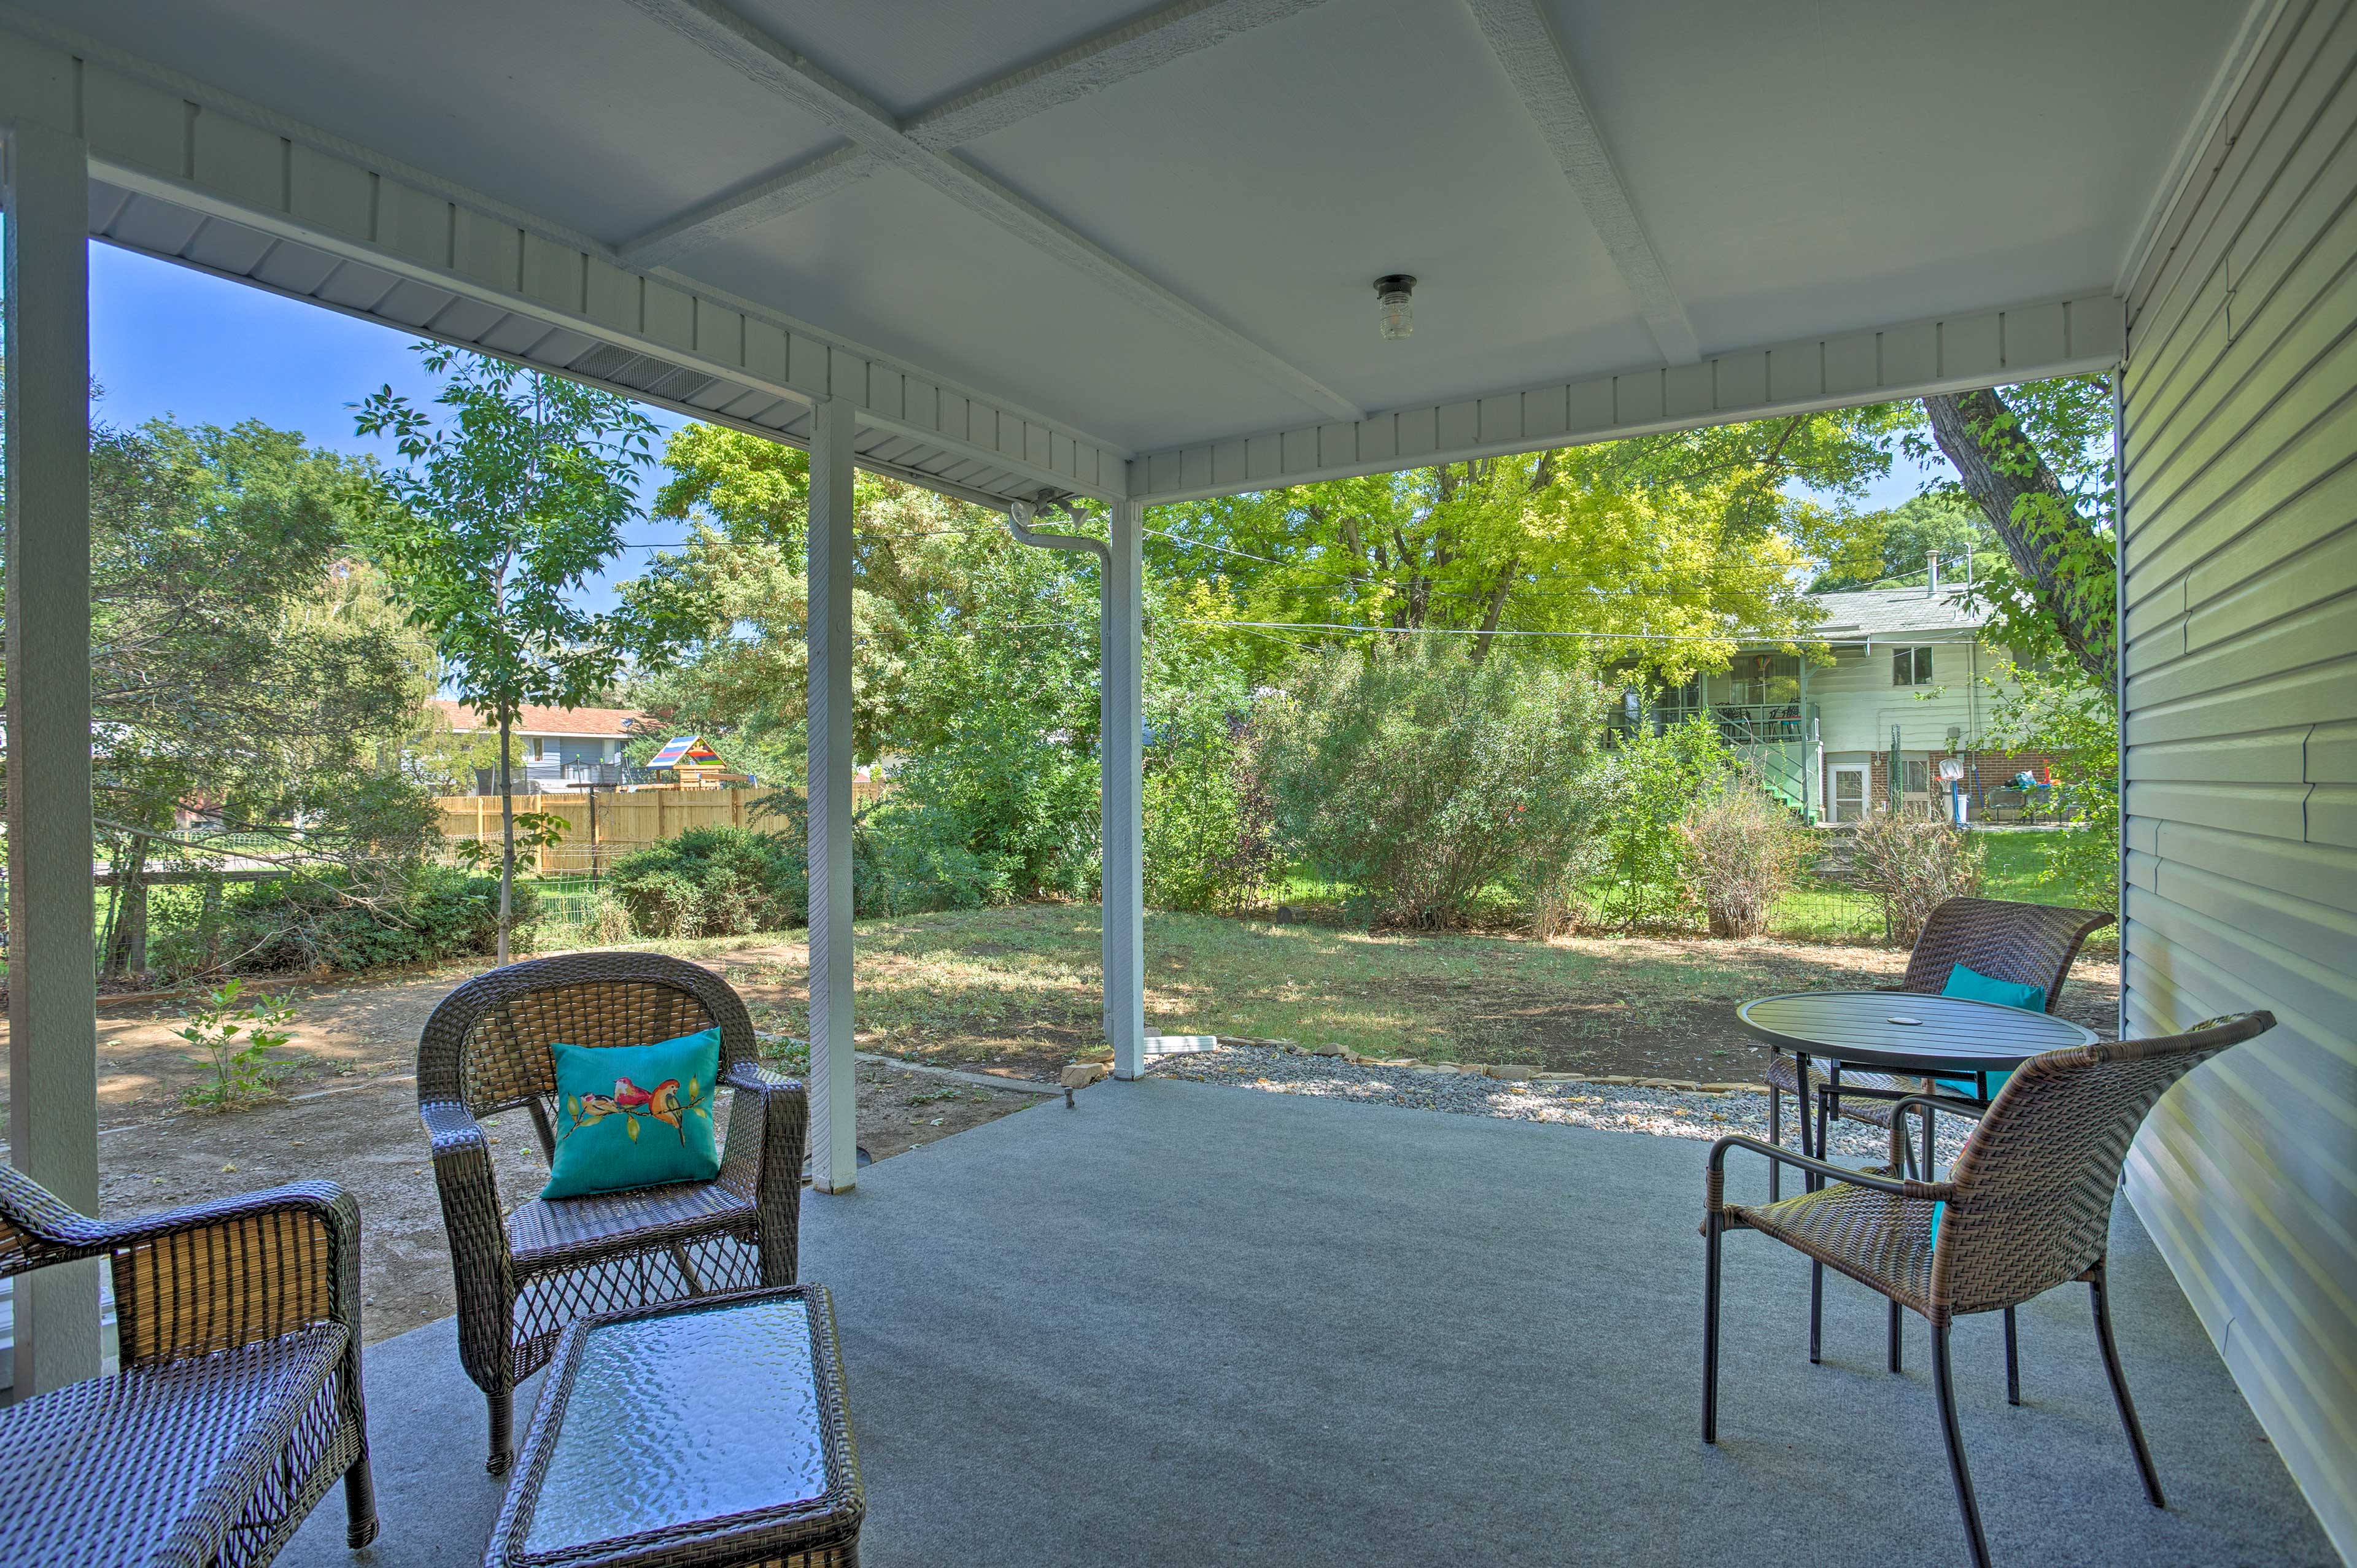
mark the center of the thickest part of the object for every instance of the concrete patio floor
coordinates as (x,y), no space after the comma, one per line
(1184,1324)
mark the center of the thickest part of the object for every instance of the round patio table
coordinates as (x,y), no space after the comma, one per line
(1900,1032)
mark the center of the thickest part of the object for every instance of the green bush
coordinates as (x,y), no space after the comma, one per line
(426,914)
(1911,866)
(1645,787)
(1422,776)
(714,882)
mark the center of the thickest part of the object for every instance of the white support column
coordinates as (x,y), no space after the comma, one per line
(1122,719)
(52,1019)
(833,1091)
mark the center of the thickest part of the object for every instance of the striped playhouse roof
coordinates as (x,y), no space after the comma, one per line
(685,751)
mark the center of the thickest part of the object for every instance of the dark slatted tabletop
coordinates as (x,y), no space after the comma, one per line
(1907,1033)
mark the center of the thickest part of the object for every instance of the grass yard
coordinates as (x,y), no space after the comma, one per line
(1016,989)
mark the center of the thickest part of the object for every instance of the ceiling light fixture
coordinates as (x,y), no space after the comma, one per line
(1393,317)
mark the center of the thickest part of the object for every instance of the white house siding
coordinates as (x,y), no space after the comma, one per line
(1858,705)
(2240,620)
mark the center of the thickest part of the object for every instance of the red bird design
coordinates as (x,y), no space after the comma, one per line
(630,1097)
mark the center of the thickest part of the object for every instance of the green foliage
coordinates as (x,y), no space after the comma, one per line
(736,597)
(1647,784)
(532,832)
(1003,725)
(1911,866)
(1743,850)
(338,921)
(506,510)
(714,882)
(2077,723)
(1421,774)
(1887,549)
(241,1071)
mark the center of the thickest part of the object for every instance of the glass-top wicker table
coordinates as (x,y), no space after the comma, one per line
(712,1434)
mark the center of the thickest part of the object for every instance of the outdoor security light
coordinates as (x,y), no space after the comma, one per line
(1393,317)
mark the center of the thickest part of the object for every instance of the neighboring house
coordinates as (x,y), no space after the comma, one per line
(1908,689)
(552,739)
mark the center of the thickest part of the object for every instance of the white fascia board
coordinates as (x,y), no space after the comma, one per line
(2085,334)
(156,132)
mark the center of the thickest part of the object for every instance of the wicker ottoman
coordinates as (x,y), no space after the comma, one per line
(706,1433)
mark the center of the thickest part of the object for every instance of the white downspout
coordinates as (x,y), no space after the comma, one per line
(1120,723)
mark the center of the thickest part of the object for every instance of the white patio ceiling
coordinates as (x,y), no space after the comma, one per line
(1086,245)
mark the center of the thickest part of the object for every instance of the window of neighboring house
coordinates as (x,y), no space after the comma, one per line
(1910,667)
(536,744)
(1919,777)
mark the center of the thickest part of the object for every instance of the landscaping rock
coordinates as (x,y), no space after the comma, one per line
(1331,1048)
(1079,1075)
(1621,1105)
(1513,1072)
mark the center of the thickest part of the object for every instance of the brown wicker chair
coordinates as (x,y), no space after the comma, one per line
(2031,944)
(238,1404)
(2029,1207)
(524,1278)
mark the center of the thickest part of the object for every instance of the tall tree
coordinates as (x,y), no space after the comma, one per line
(243,665)
(2036,460)
(1605,564)
(507,507)
(736,595)
(1889,548)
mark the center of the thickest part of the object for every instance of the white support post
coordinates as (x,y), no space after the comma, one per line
(52,1016)
(1122,721)
(833,1089)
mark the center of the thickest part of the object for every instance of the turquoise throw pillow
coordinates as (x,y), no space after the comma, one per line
(631,1116)
(1974,986)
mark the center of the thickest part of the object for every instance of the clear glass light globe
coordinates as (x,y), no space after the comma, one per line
(1394,317)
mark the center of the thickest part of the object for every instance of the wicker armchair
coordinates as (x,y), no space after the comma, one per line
(2029,1207)
(2031,944)
(238,1404)
(523,1279)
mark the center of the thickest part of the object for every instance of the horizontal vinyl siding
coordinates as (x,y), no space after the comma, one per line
(2239,568)
(1858,705)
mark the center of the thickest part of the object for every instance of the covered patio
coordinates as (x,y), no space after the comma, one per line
(1074,1337)
(1083,255)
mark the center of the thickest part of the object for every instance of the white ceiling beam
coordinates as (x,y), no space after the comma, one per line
(782,70)
(1090,66)
(747,207)
(1149,43)
(1540,69)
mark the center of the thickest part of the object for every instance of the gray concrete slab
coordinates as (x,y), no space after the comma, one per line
(1184,1324)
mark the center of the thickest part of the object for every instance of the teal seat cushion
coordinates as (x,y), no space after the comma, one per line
(1974,986)
(632,1116)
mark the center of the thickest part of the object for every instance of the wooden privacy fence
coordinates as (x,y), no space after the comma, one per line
(625,819)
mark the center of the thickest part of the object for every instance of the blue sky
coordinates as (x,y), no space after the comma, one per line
(168,340)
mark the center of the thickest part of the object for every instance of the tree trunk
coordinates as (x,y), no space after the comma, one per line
(507,839)
(1496,608)
(2032,514)
(126,938)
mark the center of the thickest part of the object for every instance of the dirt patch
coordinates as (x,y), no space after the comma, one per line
(1656,1025)
(366,1136)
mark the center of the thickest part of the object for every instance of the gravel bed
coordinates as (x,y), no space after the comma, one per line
(1616,1108)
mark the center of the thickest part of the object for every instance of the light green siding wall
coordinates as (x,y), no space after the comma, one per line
(2240,440)
(1858,705)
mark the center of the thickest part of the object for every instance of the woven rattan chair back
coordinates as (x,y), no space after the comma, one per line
(2032,1201)
(2030,944)
(486,1046)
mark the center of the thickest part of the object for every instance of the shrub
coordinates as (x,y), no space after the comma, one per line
(241,1070)
(424,914)
(1911,866)
(1742,852)
(1211,828)
(1422,776)
(712,882)
(1646,785)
